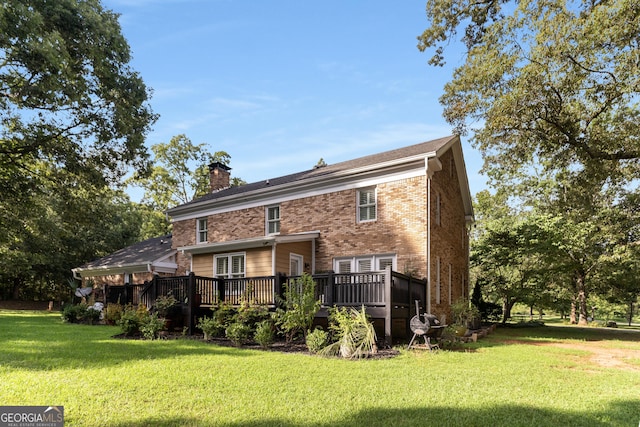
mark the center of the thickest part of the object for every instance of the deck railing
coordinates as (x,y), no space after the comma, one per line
(379,291)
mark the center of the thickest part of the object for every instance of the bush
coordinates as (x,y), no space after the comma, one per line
(251,315)
(74,313)
(299,307)
(92,315)
(264,333)
(238,333)
(164,303)
(131,319)
(317,340)
(352,332)
(210,326)
(113,312)
(151,326)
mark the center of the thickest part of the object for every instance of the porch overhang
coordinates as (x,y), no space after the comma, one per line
(250,243)
(115,269)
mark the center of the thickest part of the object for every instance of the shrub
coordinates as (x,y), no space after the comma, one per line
(251,315)
(317,340)
(465,314)
(92,315)
(353,334)
(164,303)
(224,315)
(131,320)
(299,307)
(74,313)
(210,326)
(238,333)
(151,326)
(113,312)
(264,334)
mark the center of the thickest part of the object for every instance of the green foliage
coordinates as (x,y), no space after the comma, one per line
(251,314)
(553,82)
(464,313)
(210,326)
(317,340)
(113,312)
(265,333)
(353,335)
(238,333)
(150,326)
(74,313)
(132,318)
(164,303)
(298,307)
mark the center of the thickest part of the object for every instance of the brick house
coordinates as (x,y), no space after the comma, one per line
(407,209)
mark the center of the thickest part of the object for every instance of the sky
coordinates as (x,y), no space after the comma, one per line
(280,84)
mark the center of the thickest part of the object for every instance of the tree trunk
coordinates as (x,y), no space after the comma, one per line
(630,312)
(582,298)
(572,315)
(507,305)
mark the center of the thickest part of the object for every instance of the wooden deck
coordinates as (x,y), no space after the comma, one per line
(386,295)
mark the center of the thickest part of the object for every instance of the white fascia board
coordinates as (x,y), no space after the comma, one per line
(297,237)
(354,178)
(112,269)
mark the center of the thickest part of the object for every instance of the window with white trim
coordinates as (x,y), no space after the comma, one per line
(296,263)
(367,206)
(201,230)
(229,266)
(364,263)
(273,219)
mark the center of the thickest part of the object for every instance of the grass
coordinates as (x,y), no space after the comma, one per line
(501,380)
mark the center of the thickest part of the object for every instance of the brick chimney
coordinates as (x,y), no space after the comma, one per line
(219,176)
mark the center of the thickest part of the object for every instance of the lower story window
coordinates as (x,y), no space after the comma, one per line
(364,263)
(230,266)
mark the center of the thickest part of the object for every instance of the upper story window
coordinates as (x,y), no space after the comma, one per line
(367,209)
(273,219)
(201,230)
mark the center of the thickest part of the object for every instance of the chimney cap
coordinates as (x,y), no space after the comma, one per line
(218,165)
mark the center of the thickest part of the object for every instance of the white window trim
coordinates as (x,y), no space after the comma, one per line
(269,222)
(375,261)
(229,256)
(300,260)
(199,231)
(375,204)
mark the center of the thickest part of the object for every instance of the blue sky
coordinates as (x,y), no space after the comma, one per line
(281,84)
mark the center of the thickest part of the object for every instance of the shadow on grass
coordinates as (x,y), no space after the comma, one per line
(40,341)
(621,413)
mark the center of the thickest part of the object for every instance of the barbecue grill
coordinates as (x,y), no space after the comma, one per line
(426,326)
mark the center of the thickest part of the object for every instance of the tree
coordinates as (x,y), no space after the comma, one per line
(180,174)
(552,84)
(67,93)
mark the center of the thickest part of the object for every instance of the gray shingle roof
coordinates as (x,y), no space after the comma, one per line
(412,150)
(139,253)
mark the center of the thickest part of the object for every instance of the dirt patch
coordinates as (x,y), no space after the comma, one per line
(600,354)
(26,305)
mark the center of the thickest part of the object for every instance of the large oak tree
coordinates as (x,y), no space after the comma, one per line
(553,83)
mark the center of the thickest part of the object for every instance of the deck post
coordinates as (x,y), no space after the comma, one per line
(328,298)
(191,299)
(387,306)
(221,286)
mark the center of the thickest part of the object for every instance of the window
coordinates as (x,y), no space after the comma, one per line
(295,264)
(363,263)
(229,266)
(201,234)
(367,205)
(273,219)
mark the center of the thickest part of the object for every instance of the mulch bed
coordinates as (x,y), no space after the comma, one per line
(280,346)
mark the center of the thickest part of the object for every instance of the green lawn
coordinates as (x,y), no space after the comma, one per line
(514,377)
